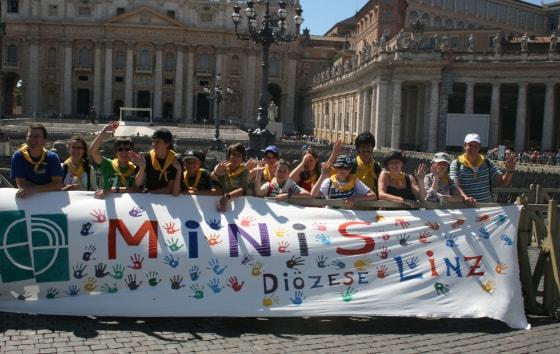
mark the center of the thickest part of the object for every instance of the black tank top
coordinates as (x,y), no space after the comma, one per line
(405,192)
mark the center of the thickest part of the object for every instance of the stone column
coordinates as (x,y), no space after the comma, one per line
(396,118)
(469,98)
(108,88)
(289,111)
(548,118)
(494,116)
(381,112)
(250,94)
(219,67)
(97,75)
(67,85)
(372,127)
(521,119)
(434,112)
(177,99)
(158,84)
(189,99)
(32,84)
(129,74)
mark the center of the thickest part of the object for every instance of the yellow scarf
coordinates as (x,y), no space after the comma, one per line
(445,179)
(479,161)
(25,152)
(168,160)
(196,180)
(123,176)
(75,172)
(399,180)
(370,171)
(311,180)
(267,175)
(348,186)
(230,175)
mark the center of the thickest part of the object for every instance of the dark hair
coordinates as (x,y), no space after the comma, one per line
(85,156)
(236,147)
(365,138)
(163,134)
(282,162)
(123,140)
(306,174)
(38,126)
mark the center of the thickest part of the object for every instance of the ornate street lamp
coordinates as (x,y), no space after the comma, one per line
(271,31)
(217,95)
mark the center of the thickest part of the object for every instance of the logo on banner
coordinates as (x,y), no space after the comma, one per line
(41,254)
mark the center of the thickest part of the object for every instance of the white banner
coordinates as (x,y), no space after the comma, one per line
(143,255)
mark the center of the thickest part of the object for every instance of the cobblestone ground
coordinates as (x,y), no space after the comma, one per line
(20,333)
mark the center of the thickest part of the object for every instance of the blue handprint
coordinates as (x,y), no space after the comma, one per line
(136,211)
(172,262)
(215,266)
(195,273)
(73,290)
(90,250)
(215,224)
(298,298)
(501,219)
(451,240)
(339,264)
(403,240)
(321,261)
(324,239)
(85,229)
(483,233)
(507,240)
(214,284)
(413,263)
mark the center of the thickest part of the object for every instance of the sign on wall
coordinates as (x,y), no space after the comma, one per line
(157,255)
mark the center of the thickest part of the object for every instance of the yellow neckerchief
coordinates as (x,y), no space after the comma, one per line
(196,180)
(399,180)
(267,174)
(168,160)
(479,161)
(240,170)
(75,172)
(348,186)
(123,176)
(445,179)
(25,152)
(311,180)
(369,168)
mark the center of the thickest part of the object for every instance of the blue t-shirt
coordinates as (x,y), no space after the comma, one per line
(22,169)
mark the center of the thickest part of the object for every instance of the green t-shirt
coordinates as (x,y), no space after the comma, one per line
(109,177)
(236,181)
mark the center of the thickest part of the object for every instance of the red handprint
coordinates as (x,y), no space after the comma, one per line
(483,218)
(385,236)
(283,247)
(424,237)
(247,221)
(458,222)
(319,226)
(434,226)
(404,223)
(382,271)
(136,261)
(384,253)
(213,239)
(234,284)
(99,216)
(170,228)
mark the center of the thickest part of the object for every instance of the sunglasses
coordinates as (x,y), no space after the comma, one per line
(121,149)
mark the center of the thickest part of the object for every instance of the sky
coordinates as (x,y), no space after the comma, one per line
(321,15)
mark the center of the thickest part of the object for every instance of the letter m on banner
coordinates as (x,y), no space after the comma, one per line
(148,227)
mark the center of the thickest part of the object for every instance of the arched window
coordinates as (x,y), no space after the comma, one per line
(273,70)
(51,56)
(460,25)
(83,58)
(12,54)
(169,62)
(426,19)
(119,60)
(437,21)
(413,15)
(145,57)
(235,64)
(204,64)
(449,23)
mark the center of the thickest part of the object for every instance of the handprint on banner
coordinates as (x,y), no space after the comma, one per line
(137,260)
(283,247)
(152,278)
(384,254)
(256,270)
(385,236)
(321,261)
(171,261)
(215,224)
(501,268)
(403,240)
(324,239)
(379,218)
(214,265)
(483,218)
(176,281)
(423,238)
(451,240)
(136,211)
(501,219)
(412,263)
(198,291)
(458,223)
(281,232)
(73,290)
(213,239)
(293,262)
(350,292)
(298,298)
(173,244)
(319,226)
(108,289)
(441,288)
(247,221)
(90,284)
(52,293)
(100,270)
(118,271)
(25,295)
(99,216)
(404,223)
(382,271)
(272,299)
(507,240)
(489,286)
(170,228)
(247,258)
(214,284)
(85,229)
(482,232)
(79,270)
(131,282)
(434,226)
(90,250)
(338,264)
(234,284)
(362,264)
(194,273)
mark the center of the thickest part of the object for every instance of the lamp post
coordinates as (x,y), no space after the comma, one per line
(271,31)
(217,95)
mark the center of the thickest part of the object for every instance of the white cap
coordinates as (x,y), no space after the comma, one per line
(472,137)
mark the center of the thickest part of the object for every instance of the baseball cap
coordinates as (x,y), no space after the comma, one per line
(441,156)
(343,161)
(195,155)
(273,149)
(472,137)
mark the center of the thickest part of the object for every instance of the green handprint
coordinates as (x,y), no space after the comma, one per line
(173,244)
(118,271)
(52,293)
(107,288)
(152,278)
(347,297)
(198,293)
